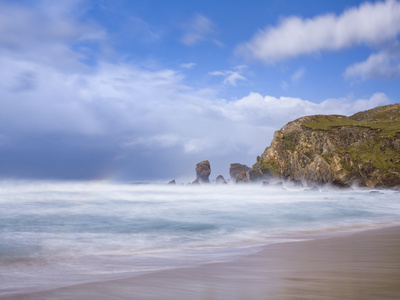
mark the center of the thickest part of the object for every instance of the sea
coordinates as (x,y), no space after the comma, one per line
(57,234)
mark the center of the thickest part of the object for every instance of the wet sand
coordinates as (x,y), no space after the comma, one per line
(364,265)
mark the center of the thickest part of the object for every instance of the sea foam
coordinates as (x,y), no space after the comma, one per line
(55,234)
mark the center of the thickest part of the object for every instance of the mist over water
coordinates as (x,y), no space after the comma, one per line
(54,234)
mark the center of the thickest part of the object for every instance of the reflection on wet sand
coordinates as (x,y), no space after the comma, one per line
(365,265)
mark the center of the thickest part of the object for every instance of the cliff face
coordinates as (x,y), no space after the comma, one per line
(363,149)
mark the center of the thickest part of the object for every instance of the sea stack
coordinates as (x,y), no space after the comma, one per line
(203,171)
(239,173)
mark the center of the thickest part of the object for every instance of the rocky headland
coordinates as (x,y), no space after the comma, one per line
(335,150)
(363,150)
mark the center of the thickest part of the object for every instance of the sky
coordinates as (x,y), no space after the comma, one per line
(144,90)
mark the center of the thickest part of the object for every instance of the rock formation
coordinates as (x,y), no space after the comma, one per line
(362,149)
(242,178)
(203,171)
(220,180)
(238,169)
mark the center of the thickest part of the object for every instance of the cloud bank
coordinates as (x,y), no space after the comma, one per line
(369,24)
(137,122)
(66,111)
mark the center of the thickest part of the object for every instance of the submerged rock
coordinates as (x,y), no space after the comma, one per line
(296,183)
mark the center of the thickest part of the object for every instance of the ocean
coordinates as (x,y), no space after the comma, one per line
(56,234)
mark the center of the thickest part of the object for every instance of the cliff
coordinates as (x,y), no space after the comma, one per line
(362,149)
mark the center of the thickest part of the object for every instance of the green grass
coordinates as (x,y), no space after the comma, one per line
(386,130)
(270,166)
(389,128)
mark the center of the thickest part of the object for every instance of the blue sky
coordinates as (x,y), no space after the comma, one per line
(143,90)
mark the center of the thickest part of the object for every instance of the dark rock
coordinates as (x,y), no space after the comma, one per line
(339,185)
(237,169)
(197,181)
(265,183)
(172,182)
(382,148)
(396,144)
(220,180)
(296,183)
(203,171)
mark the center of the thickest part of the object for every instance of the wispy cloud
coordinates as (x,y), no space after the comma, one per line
(298,74)
(142,30)
(199,29)
(231,76)
(294,78)
(369,24)
(188,65)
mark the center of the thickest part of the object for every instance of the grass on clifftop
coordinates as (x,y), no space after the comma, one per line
(321,122)
(387,126)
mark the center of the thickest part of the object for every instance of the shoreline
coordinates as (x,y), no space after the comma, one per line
(361,265)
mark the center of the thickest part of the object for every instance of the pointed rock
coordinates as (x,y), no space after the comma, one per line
(220,180)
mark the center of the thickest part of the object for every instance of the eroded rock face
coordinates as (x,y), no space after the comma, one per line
(203,171)
(242,178)
(237,169)
(362,149)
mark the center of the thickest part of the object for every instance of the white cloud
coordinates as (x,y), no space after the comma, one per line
(275,112)
(45,32)
(157,141)
(298,74)
(136,110)
(150,109)
(188,65)
(199,29)
(46,91)
(231,76)
(381,65)
(370,23)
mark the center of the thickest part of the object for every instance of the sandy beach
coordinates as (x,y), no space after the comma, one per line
(364,265)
